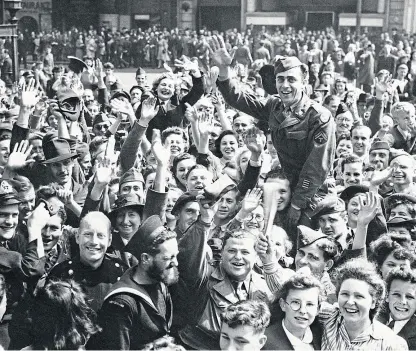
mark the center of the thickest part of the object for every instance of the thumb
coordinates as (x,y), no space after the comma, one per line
(187,105)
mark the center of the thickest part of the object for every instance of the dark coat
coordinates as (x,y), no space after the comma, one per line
(278,340)
(129,317)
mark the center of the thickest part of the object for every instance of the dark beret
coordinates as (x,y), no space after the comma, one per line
(351,191)
(182,201)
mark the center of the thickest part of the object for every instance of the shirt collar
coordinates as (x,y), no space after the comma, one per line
(373,331)
(294,340)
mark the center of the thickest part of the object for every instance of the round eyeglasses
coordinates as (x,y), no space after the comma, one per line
(296,306)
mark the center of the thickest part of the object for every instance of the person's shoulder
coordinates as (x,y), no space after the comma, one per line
(114,265)
(64,270)
(320,113)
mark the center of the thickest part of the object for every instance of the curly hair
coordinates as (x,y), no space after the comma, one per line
(61,318)
(404,275)
(299,281)
(363,270)
(153,248)
(251,312)
(350,159)
(381,248)
(48,191)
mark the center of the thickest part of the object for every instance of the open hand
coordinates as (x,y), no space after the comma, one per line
(29,94)
(161,153)
(219,54)
(252,200)
(149,109)
(191,113)
(254,141)
(18,159)
(369,207)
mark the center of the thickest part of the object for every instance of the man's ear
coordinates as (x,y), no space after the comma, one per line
(328,265)
(145,258)
(282,304)
(262,340)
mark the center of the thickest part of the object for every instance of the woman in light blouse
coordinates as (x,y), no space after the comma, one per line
(351,324)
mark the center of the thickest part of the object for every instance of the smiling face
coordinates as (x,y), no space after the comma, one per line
(355,301)
(391,263)
(353,174)
(93,240)
(4,151)
(308,300)
(62,171)
(228,146)
(239,257)
(165,89)
(255,222)
(290,85)
(404,119)
(361,141)
(198,179)
(133,187)
(183,168)
(51,232)
(403,170)
(353,208)
(127,222)
(187,215)
(401,210)
(27,204)
(313,257)
(176,144)
(344,122)
(344,148)
(242,123)
(227,205)
(9,216)
(402,300)
(283,193)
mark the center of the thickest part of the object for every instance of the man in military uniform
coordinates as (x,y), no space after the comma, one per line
(138,309)
(93,268)
(302,131)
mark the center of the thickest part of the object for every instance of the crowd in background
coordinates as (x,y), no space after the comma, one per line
(258,194)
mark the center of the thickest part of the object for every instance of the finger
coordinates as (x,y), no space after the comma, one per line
(188,106)
(216,42)
(28,150)
(15,147)
(221,42)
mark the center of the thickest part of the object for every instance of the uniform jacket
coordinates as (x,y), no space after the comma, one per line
(174,115)
(129,318)
(96,282)
(304,138)
(278,340)
(207,291)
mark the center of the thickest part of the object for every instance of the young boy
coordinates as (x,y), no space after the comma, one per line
(243,326)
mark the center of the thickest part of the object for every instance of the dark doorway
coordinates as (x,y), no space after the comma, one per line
(319,20)
(220,18)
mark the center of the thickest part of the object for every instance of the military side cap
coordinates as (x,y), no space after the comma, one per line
(380,145)
(307,236)
(150,229)
(132,175)
(286,63)
(394,153)
(140,71)
(100,118)
(394,199)
(76,65)
(8,195)
(182,201)
(123,201)
(342,108)
(351,191)
(328,205)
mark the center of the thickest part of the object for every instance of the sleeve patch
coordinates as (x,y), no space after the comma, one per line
(306,183)
(320,137)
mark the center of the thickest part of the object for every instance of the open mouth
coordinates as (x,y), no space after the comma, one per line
(93,249)
(238,264)
(174,149)
(351,311)
(401,309)
(301,319)
(199,187)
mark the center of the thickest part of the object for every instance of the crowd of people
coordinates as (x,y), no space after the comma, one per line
(259,194)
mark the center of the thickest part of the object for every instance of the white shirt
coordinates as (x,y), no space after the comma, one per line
(398,325)
(300,345)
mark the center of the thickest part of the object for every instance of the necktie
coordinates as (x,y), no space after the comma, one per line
(391,324)
(239,291)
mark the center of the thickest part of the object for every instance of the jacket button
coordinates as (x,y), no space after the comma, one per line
(117,265)
(70,272)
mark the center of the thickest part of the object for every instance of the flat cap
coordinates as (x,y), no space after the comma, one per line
(65,94)
(132,175)
(182,201)
(398,198)
(286,63)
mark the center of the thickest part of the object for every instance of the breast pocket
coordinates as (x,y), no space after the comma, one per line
(297,144)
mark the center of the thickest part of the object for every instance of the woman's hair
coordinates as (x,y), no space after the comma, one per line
(363,270)
(218,152)
(61,318)
(381,248)
(157,81)
(179,158)
(298,281)
(343,136)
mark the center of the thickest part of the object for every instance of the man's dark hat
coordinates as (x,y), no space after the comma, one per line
(286,63)
(182,201)
(121,93)
(140,71)
(393,199)
(328,205)
(123,201)
(57,150)
(101,118)
(28,74)
(76,65)
(351,191)
(379,145)
(8,195)
(66,94)
(400,221)
(150,229)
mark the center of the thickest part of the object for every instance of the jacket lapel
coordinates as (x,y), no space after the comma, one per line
(224,287)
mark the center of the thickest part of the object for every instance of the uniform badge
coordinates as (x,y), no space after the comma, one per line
(5,188)
(320,137)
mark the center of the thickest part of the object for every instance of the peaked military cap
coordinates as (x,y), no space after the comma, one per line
(8,196)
